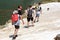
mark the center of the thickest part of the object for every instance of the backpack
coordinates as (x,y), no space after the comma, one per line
(39,8)
(30,13)
(14,17)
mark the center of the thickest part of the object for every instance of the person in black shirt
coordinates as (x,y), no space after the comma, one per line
(30,16)
(20,13)
(20,10)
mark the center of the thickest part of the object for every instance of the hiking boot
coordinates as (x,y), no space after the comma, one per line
(37,20)
(34,21)
(14,37)
(26,26)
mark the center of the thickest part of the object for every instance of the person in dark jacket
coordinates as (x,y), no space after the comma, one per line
(20,13)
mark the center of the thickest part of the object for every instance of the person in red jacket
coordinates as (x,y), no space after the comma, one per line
(16,24)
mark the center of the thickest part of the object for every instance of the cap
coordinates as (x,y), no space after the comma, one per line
(15,11)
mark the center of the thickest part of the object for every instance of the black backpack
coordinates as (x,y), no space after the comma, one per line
(39,8)
(29,13)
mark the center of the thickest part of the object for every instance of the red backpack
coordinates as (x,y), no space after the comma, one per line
(14,17)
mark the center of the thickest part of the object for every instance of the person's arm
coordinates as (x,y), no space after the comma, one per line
(41,10)
(21,18)
(26,12)
(33,13)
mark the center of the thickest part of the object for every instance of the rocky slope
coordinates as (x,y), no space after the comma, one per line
(46,29)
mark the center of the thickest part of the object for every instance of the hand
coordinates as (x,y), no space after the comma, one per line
(23,22)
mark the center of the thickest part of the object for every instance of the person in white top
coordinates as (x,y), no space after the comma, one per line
(38,12)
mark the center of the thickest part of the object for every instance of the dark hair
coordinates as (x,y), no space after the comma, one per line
(18,6)
(30,6)
(39,3)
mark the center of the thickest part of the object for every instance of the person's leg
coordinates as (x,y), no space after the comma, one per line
(28,19)
(27,23)
(32,21)
(37,17)
(16,31)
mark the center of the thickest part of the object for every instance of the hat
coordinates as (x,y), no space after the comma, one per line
(15,11)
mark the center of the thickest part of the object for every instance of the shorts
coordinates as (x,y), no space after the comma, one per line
(17,27)
(28,19)
(17,23)
(37,15)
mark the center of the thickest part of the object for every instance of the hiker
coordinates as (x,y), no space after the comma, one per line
(20,13)
(29,15)
(38,12)
(15,22)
